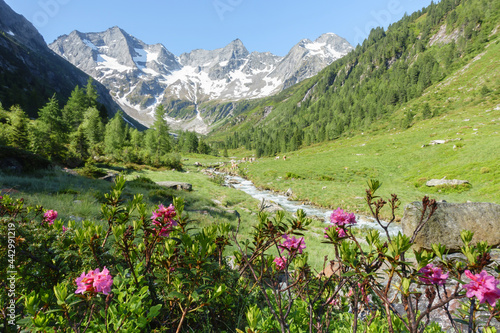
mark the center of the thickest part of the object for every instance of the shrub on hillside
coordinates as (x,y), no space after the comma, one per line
(90,170)
(291,175)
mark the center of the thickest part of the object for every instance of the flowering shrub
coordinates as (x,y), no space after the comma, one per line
(433,275)
(94,282)
(483,287)
(148,282)
(280,263)
(50,216)
(338,232)
(163,219)
(341,218)
(159,274)
(292,245)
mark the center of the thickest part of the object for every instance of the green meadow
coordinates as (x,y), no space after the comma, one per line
(466,114)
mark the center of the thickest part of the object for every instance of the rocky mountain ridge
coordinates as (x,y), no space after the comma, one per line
(31,73)
(141,76)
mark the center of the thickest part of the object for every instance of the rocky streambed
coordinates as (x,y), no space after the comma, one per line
(273,201)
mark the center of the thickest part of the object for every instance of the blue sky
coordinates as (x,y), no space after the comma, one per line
(184,25)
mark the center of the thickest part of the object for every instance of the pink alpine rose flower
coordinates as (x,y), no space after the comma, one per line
(483,286)
(103,281)
(50,216)
(333,301)
(293,245)
(432,275)
(280,263)
(341,218)
(94,282)
(85,283)
(163,219)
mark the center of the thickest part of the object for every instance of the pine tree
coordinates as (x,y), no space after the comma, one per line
(79,144)
(51,116)
(50,131)
(150,143)
(92,127)
(75,107)
(192,142)
(203,148)
(160,126)
(91,93)
(18,136)
(114,136)
(426,111)
(136,138)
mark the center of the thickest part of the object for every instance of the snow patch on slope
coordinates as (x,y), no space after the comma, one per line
(104,61)
(90,44)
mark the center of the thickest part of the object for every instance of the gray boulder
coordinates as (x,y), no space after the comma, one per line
(449,220)
(269,206)
(110,177)
(176,185)
(451,182)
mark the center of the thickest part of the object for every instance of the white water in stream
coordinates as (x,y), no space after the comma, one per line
(292,206)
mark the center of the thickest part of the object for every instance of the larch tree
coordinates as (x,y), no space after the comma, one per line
(75,108)
(115,134)
(18,134)
(93,127)
(91,92)
(50,133)
(160,126)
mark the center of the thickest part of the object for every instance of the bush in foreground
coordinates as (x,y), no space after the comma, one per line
(154,272)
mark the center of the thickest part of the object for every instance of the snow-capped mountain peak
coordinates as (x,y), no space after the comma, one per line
(141,76)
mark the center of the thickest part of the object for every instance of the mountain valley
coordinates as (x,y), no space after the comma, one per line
(141,76)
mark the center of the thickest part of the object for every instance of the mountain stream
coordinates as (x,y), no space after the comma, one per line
(292,206)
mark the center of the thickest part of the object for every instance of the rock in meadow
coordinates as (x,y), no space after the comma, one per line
(449,220)
(177,185)
(450,182)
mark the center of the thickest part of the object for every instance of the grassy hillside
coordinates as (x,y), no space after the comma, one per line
(467,109)
(365,90)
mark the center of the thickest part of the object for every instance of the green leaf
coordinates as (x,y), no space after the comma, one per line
(348,274)
(153,311)
(176,294)
(374,185)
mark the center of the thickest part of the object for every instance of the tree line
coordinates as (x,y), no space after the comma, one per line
(80,131)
